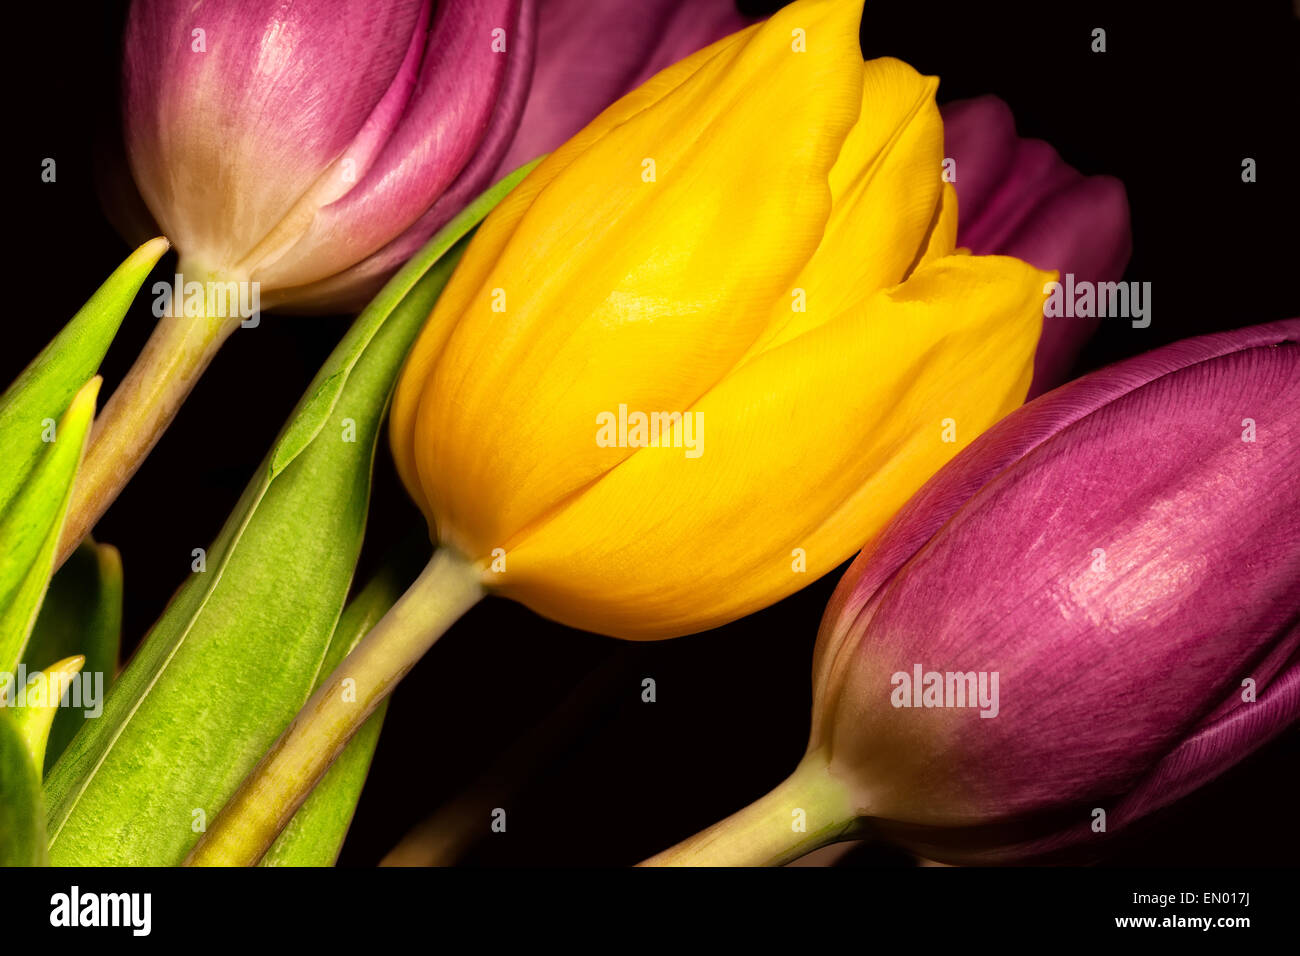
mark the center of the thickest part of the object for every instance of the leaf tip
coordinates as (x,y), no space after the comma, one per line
(83,403)
(152,251)
(68,667)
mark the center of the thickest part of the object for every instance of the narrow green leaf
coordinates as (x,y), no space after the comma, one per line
(315,834)
(39,702)
(22,820)
(42,392)
(239,649)
(81,614)
(30,525)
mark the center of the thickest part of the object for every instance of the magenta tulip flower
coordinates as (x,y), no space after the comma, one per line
(312,147)
(1017,197)
(295,154)
(1088,613)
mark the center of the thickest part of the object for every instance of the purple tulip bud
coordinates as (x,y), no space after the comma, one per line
(1089,612)
(312,147)
(591,52)
(1017,197)
(1118,566)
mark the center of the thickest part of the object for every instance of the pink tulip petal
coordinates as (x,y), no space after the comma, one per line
(462,78)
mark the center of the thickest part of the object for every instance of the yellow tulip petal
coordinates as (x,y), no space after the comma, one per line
(813,446)
(886,187)
(942,240)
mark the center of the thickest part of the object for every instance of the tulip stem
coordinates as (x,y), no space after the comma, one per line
(138,413)
(270,795)
(810,809)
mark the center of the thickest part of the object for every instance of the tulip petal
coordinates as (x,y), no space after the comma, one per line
(886,185)
(980,134)
(425,147)
(350,166)
(942,239)
(1224,741)
(350,289)
(1036,173)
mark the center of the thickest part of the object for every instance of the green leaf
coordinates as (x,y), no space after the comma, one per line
(44,389)
(81,614)
(39,702)
(22,820)
(239,649)
(30,525)
(315,834)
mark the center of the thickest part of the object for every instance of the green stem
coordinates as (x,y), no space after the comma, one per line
(767,832)
(270,795)
(140,410)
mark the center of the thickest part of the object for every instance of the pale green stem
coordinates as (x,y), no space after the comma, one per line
(270,795)
(808,810)
(141,408)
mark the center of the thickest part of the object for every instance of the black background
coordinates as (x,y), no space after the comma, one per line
(1182,95)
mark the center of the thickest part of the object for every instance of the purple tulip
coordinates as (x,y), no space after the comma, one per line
(1105,587)
(1124,553)
(1017,197)
(312,147)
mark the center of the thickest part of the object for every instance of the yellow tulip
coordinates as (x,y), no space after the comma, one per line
(758,239)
